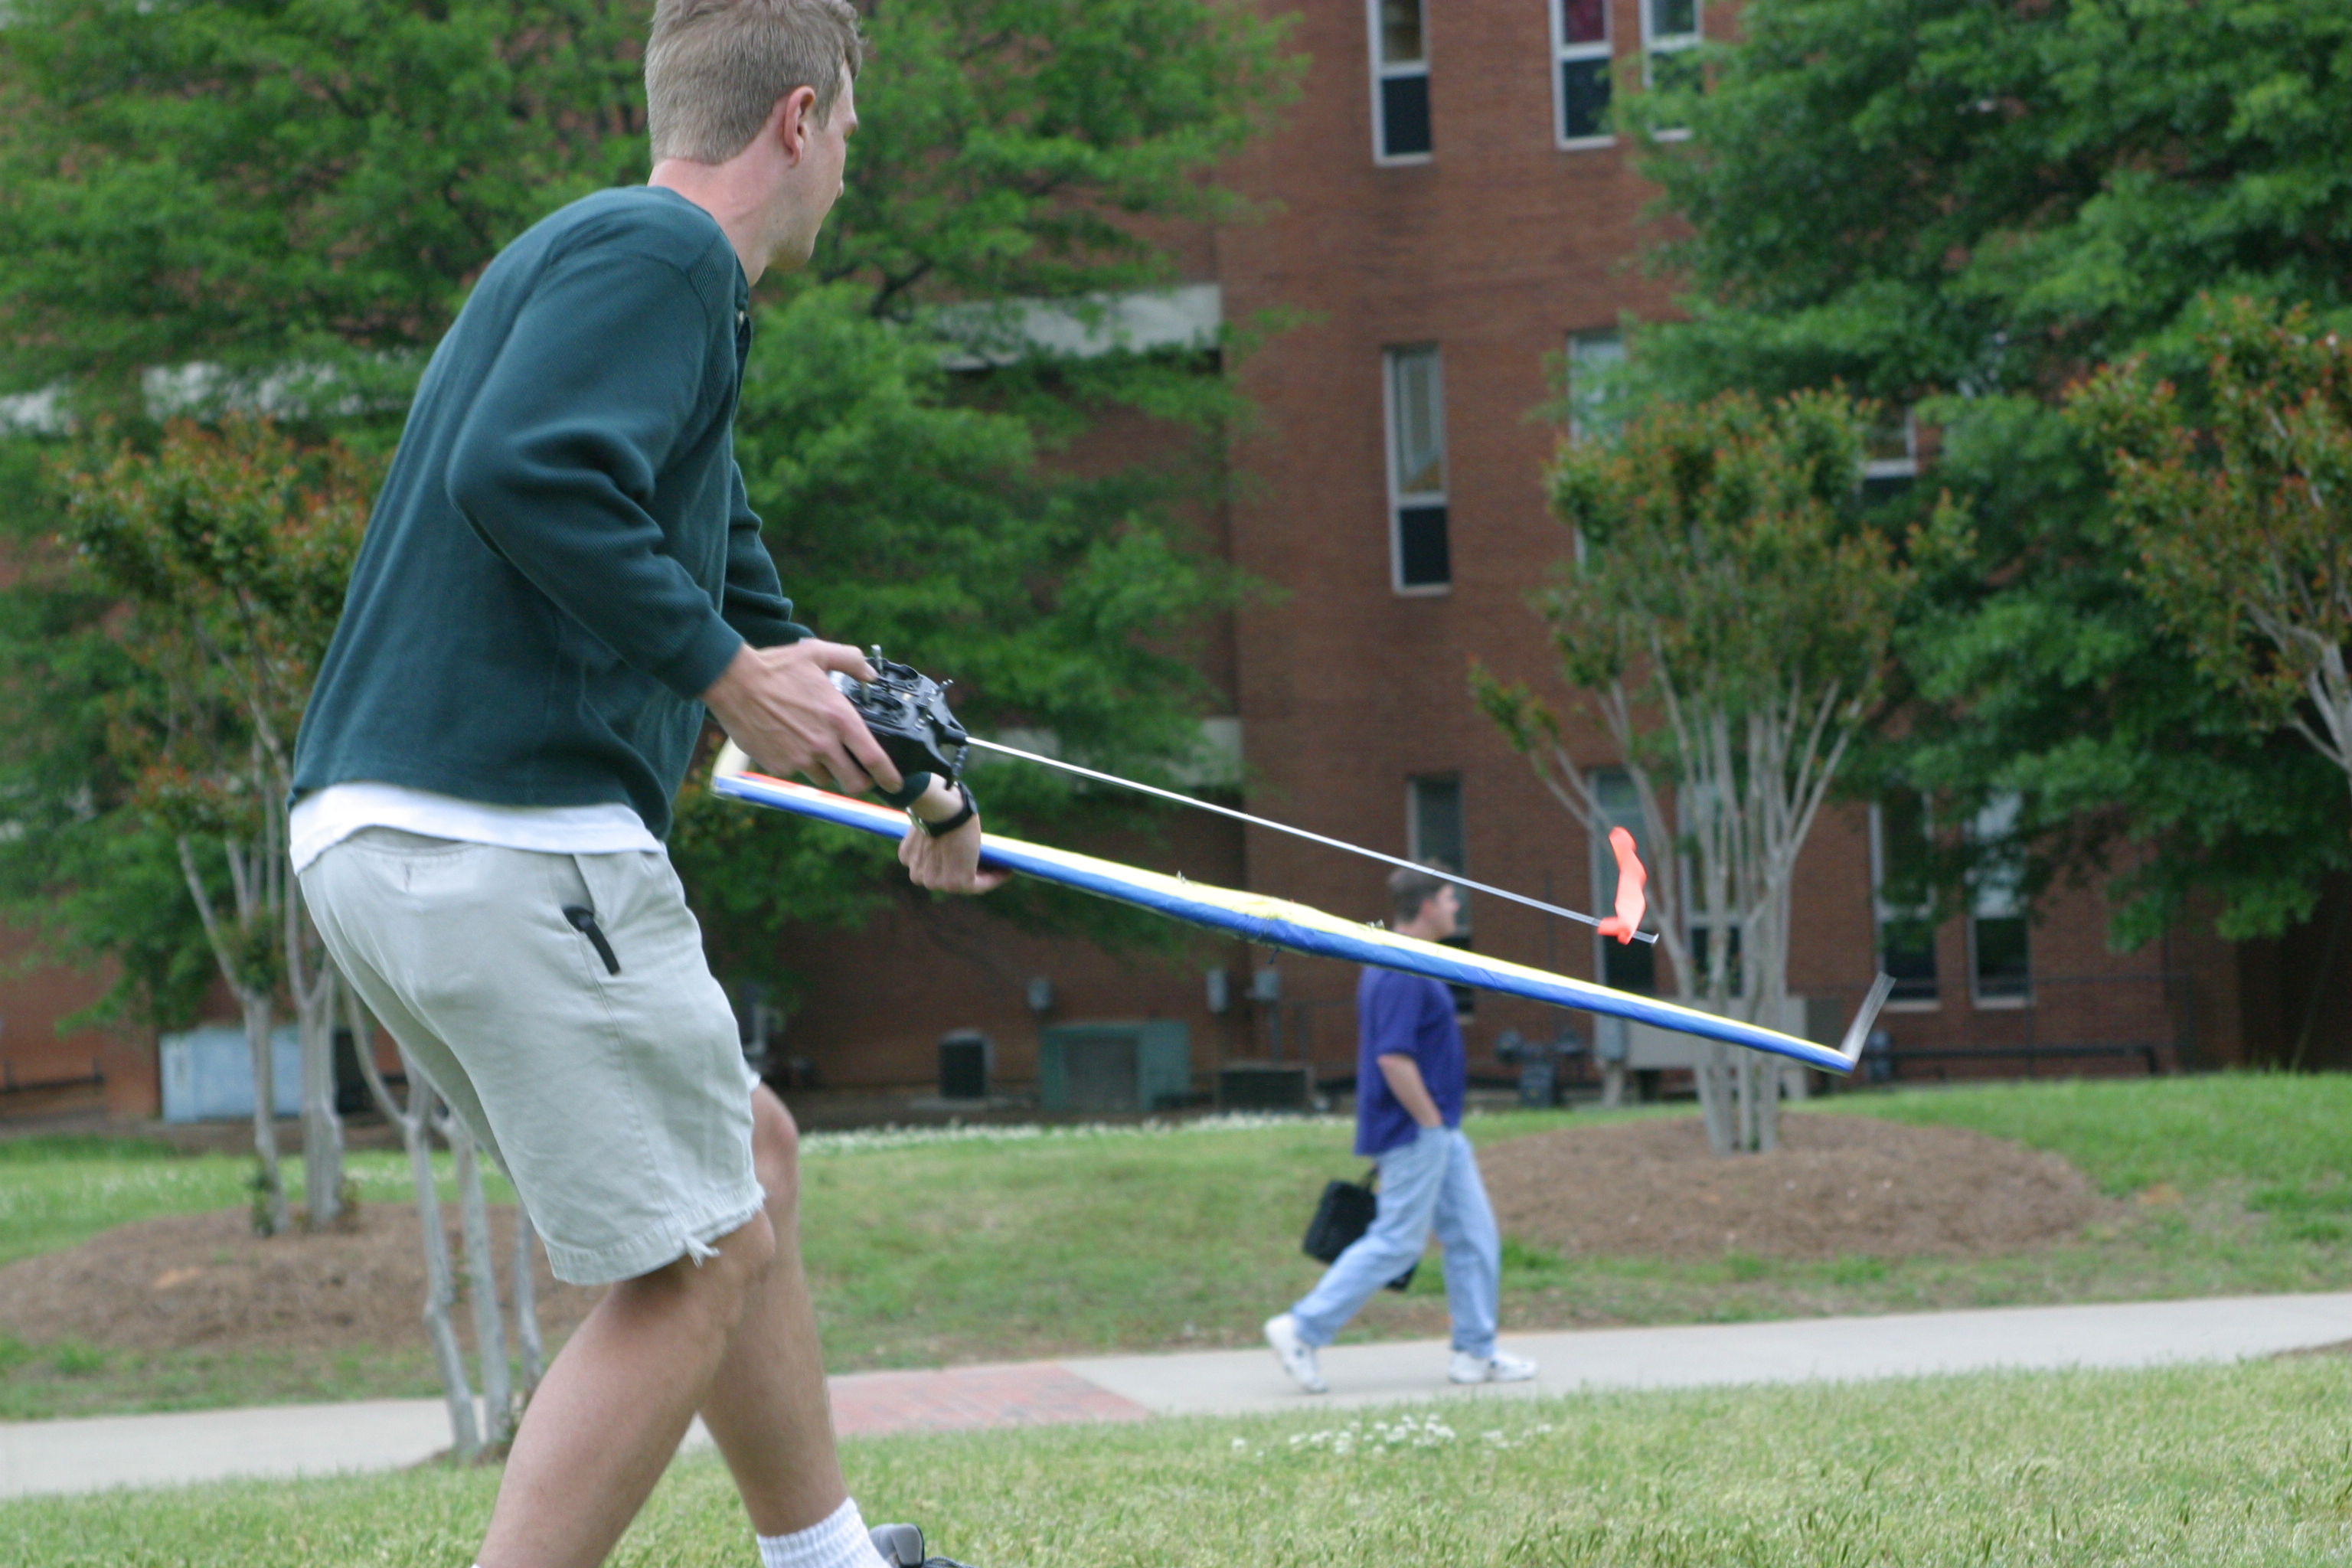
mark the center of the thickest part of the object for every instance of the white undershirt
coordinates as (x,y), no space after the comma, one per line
(322,821)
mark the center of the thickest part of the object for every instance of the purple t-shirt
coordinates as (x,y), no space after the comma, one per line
(1404,1016)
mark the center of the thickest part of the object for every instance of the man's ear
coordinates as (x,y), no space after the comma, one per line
(788,122)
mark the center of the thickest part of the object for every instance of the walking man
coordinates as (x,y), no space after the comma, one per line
(1410,1077)
(561,577)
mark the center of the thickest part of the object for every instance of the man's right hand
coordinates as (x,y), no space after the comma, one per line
(781,706)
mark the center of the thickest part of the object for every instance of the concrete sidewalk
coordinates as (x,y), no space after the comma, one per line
(68,1456)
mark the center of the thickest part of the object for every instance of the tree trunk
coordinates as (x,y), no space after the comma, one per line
(269,1187)
(482,1285)
(416,1126)
(526,1306)
(440,1280)
(322,1127)
(1712,1075)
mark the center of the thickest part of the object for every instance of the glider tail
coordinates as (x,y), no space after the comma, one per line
(1857,1033)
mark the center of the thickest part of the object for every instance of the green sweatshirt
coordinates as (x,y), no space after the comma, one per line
(562,558)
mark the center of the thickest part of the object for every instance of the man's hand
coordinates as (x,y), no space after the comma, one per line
(949,863)
(1403,1075)
(779,705)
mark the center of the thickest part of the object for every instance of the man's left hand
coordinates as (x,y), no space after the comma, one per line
(949,863)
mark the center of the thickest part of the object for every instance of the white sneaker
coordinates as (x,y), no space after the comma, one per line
(1297,1356)
(1500,1367)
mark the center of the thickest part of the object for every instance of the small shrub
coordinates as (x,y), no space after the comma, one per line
(74,1359)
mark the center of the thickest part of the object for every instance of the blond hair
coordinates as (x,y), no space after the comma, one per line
(715,68)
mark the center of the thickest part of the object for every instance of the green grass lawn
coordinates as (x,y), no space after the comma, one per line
(926,1252)
(57,1193)
(2203,1466)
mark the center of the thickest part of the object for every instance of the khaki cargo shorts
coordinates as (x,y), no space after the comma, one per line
(618,1103)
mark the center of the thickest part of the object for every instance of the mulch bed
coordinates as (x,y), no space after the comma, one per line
(206,1281)
(1839,1185)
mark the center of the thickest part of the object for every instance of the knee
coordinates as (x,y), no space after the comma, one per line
(709,1288)
(775,1151)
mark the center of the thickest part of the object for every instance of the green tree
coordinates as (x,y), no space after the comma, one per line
(1962,207)
(222,559)
(2242,513)
(233,204)
(1728,619)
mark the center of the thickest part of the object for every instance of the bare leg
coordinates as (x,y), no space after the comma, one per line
(614,1404)
(767,1409)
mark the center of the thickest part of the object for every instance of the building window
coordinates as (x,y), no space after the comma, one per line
(1901,891)
(1670,40)
(2000,972)
(1593,360)
(1579,40)
(1420,561)
(1399,81)
(1434,828)
(1890,460)
(1628,966)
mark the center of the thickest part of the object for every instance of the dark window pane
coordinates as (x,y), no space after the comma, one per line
(1400,42)
(1673,18)
(1404,116)
(1421,558)
(1629,966)
(1437,821)
(1885,487)
(1907,952)
(1677,70)
(1466,997)
(1583,21)
(1583,98)
(2001,957)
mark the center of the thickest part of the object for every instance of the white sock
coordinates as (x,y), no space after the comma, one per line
(839,1540)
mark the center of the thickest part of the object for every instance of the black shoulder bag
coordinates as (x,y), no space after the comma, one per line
(1340,1220)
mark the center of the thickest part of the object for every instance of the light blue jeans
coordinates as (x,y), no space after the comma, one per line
(1429,1184)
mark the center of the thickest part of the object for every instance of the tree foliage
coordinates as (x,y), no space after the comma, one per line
(1728,619)
(281,203)
(221,558)
(1963,208)
(2243,516)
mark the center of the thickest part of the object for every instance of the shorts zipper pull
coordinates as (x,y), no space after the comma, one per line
(583,921)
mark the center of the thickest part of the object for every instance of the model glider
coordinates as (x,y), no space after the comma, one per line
(1276,922)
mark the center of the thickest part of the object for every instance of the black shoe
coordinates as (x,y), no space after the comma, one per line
(901,1546)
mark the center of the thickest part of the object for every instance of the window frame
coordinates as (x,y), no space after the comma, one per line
(1883,913)
(1420,853)
(1631,817)
(1654,44)
(1997,820)
(1383,72)
(1576,338)
(1392,463)
(1564,54)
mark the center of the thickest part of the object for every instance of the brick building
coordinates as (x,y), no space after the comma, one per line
(1444,216)
(1445,219)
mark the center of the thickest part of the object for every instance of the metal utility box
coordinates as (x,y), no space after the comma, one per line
(963,1066)
(1265,1086)
(208,1073)
(1114,1066)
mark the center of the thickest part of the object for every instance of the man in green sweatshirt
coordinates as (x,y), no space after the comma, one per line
(561,577)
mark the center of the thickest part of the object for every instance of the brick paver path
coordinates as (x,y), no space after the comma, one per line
(1037,1393)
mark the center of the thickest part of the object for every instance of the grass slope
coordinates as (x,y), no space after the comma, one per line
(2205,1466)
(928,1251)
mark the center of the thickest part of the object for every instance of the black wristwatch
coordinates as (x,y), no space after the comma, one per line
(941,829)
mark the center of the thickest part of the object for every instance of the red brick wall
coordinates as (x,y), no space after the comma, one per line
(33,1053)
